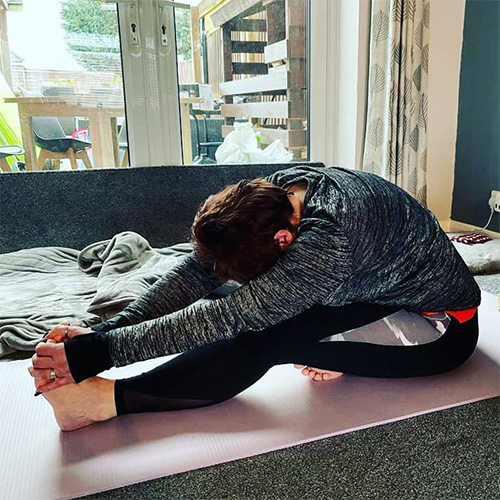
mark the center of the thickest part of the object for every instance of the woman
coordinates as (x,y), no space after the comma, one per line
(320,254)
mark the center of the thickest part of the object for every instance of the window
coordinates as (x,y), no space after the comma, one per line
(234,62)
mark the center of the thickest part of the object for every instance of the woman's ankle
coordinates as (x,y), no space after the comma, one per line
(103,397)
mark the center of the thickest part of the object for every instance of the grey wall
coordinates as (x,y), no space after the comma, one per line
(477,168)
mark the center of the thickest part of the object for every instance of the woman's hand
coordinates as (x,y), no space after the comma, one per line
(50,364)
(63,331)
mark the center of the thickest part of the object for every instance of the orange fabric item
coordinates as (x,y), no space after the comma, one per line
(461,316)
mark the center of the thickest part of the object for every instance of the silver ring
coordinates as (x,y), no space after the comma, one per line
(66,332)
(53,375)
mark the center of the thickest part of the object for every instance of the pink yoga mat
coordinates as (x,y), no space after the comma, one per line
(283,409)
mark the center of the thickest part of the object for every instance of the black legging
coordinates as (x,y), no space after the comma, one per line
(216,372)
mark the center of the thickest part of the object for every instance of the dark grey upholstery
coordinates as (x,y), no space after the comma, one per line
(75,208)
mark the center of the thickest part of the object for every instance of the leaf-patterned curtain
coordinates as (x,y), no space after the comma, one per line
(396,126)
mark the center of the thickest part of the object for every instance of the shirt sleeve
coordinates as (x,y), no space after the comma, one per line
(311,271)
(184,284)
(188,281)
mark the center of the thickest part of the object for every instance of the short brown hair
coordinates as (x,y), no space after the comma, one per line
(234,229)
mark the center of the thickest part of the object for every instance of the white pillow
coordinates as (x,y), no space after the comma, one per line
(481,258)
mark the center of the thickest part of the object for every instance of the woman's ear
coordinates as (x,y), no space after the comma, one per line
(284,238)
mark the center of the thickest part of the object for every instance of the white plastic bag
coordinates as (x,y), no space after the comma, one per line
(242,146)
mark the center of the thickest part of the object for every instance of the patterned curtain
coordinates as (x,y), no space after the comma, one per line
(396,131)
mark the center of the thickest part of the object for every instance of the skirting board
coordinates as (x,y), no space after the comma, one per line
(283,409)
(450,225)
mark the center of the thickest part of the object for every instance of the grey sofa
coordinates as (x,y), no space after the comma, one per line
(75,208)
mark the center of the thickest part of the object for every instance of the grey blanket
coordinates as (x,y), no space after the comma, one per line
(39,287)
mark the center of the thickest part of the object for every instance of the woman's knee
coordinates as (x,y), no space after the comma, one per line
(455,347)
(467,350)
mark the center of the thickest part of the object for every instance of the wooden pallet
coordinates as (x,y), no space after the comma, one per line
(274,88)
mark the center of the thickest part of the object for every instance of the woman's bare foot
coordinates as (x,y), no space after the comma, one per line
(78,405)
(316,374)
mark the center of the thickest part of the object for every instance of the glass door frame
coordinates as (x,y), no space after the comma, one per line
(149,59)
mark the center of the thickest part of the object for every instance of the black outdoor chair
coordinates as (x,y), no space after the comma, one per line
(208,136)
(53,141)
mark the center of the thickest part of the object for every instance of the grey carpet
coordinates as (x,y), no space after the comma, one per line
(489,283)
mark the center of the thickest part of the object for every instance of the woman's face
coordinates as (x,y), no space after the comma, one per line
(296,195)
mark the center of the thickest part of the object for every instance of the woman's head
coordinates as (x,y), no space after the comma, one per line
(234,230)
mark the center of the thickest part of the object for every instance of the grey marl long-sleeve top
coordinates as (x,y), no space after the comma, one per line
(361,239)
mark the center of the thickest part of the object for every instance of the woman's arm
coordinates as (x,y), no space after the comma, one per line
(310,272)
(184,284)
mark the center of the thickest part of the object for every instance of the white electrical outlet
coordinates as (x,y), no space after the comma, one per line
(494,201)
